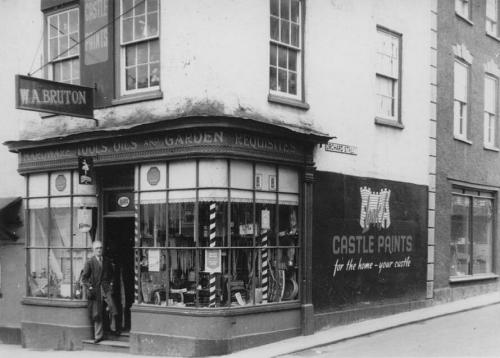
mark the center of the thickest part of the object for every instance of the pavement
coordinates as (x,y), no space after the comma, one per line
(295,344)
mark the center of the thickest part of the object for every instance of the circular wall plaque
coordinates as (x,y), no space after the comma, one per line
(123,201)
(60,182)
(153,176)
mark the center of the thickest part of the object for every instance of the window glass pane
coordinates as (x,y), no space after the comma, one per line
(154,177)
(285,9)
(53,26)
(63,24)
(220,222)
(65,71)
(265,174)
(75,70)
(288,235)
(273,55)
(213,173)
(63,46)
(152,5)
(130,55)
(460,241)
(295,11)
(275,7)
(60,226)
(182,174)
(242,224)
(140,7)
(181,224)
(460,82)
(131,78)
(142,53)
(482,234)
(490,94)
(292,60)
(142,76)
(154,51)
(282,57)
(285,31)
(288,180)
(54,48)
(275,28)
(38,278)
(282,85)
(154,276)
(60,273)
(292,83)
(127,6)
(79,259)
(57,72)
(241,175)
(273,81)
(73,21)
(153,225)
(266,222)
(82,235)
(295,35)
(154,77)
(127,30)
(39,226)
(139,27)
(152,24)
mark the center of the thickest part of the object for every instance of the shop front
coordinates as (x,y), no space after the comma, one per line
(207,224)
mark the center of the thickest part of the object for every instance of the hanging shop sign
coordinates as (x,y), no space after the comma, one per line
(213,260)
(372,244)
(84,219)
(36,94)
(86,170)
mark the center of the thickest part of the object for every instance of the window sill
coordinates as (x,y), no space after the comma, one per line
(461,17)
(463,140)
(389,123)
(54,302)
(492,148)
(493,36)
(486,276)
(288,101)
(147,96)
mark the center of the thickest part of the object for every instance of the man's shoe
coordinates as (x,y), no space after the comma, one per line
(97,340)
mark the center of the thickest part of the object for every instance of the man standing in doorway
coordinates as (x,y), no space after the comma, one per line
(97,280)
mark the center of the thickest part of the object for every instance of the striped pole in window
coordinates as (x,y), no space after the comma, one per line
(137,258)
(265,267)
(212,244)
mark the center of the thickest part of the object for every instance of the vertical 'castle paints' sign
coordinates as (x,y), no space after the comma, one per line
(370,240)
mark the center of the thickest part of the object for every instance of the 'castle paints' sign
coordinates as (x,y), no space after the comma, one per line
(35,94)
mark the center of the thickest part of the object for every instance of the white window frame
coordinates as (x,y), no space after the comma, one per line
(288,47)
(463,8)
(72,58)
(490,112)
(460,122)
(394,77)
(123,47)
(492,17)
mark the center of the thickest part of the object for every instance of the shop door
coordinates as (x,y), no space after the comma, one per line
(119,248)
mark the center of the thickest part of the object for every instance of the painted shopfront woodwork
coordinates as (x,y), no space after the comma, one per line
(372,246)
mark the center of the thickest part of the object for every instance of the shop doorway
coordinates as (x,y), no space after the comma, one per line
(119,248)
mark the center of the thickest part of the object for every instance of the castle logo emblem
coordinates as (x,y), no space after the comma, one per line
(374,209)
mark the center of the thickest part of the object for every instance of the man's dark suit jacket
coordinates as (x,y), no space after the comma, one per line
(96,278)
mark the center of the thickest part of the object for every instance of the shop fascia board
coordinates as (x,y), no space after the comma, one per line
(304,134)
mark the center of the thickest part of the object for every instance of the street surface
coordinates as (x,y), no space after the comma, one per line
(474,333)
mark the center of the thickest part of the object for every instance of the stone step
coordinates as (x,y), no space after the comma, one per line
(107,346)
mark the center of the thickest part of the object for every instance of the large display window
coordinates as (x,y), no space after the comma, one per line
(217,233)
(471,232)
(61,225)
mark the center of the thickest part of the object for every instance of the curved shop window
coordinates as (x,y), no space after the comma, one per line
(217,233)
(61,226)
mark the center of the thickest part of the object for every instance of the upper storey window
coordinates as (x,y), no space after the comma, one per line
(492,17)
(286,48)
(63,50)
(388,75)
(461,99)
(140,46)
(463,8)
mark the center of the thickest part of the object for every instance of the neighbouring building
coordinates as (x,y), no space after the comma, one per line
(466,233)
(256,170)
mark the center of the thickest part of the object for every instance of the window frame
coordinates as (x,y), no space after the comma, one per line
(285,97)
(494,21)
(459,9)
(48,196)
(72,59)
(164,190)
(396,119)
(476,194)
(121,47)
(487,126)
(461,124)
